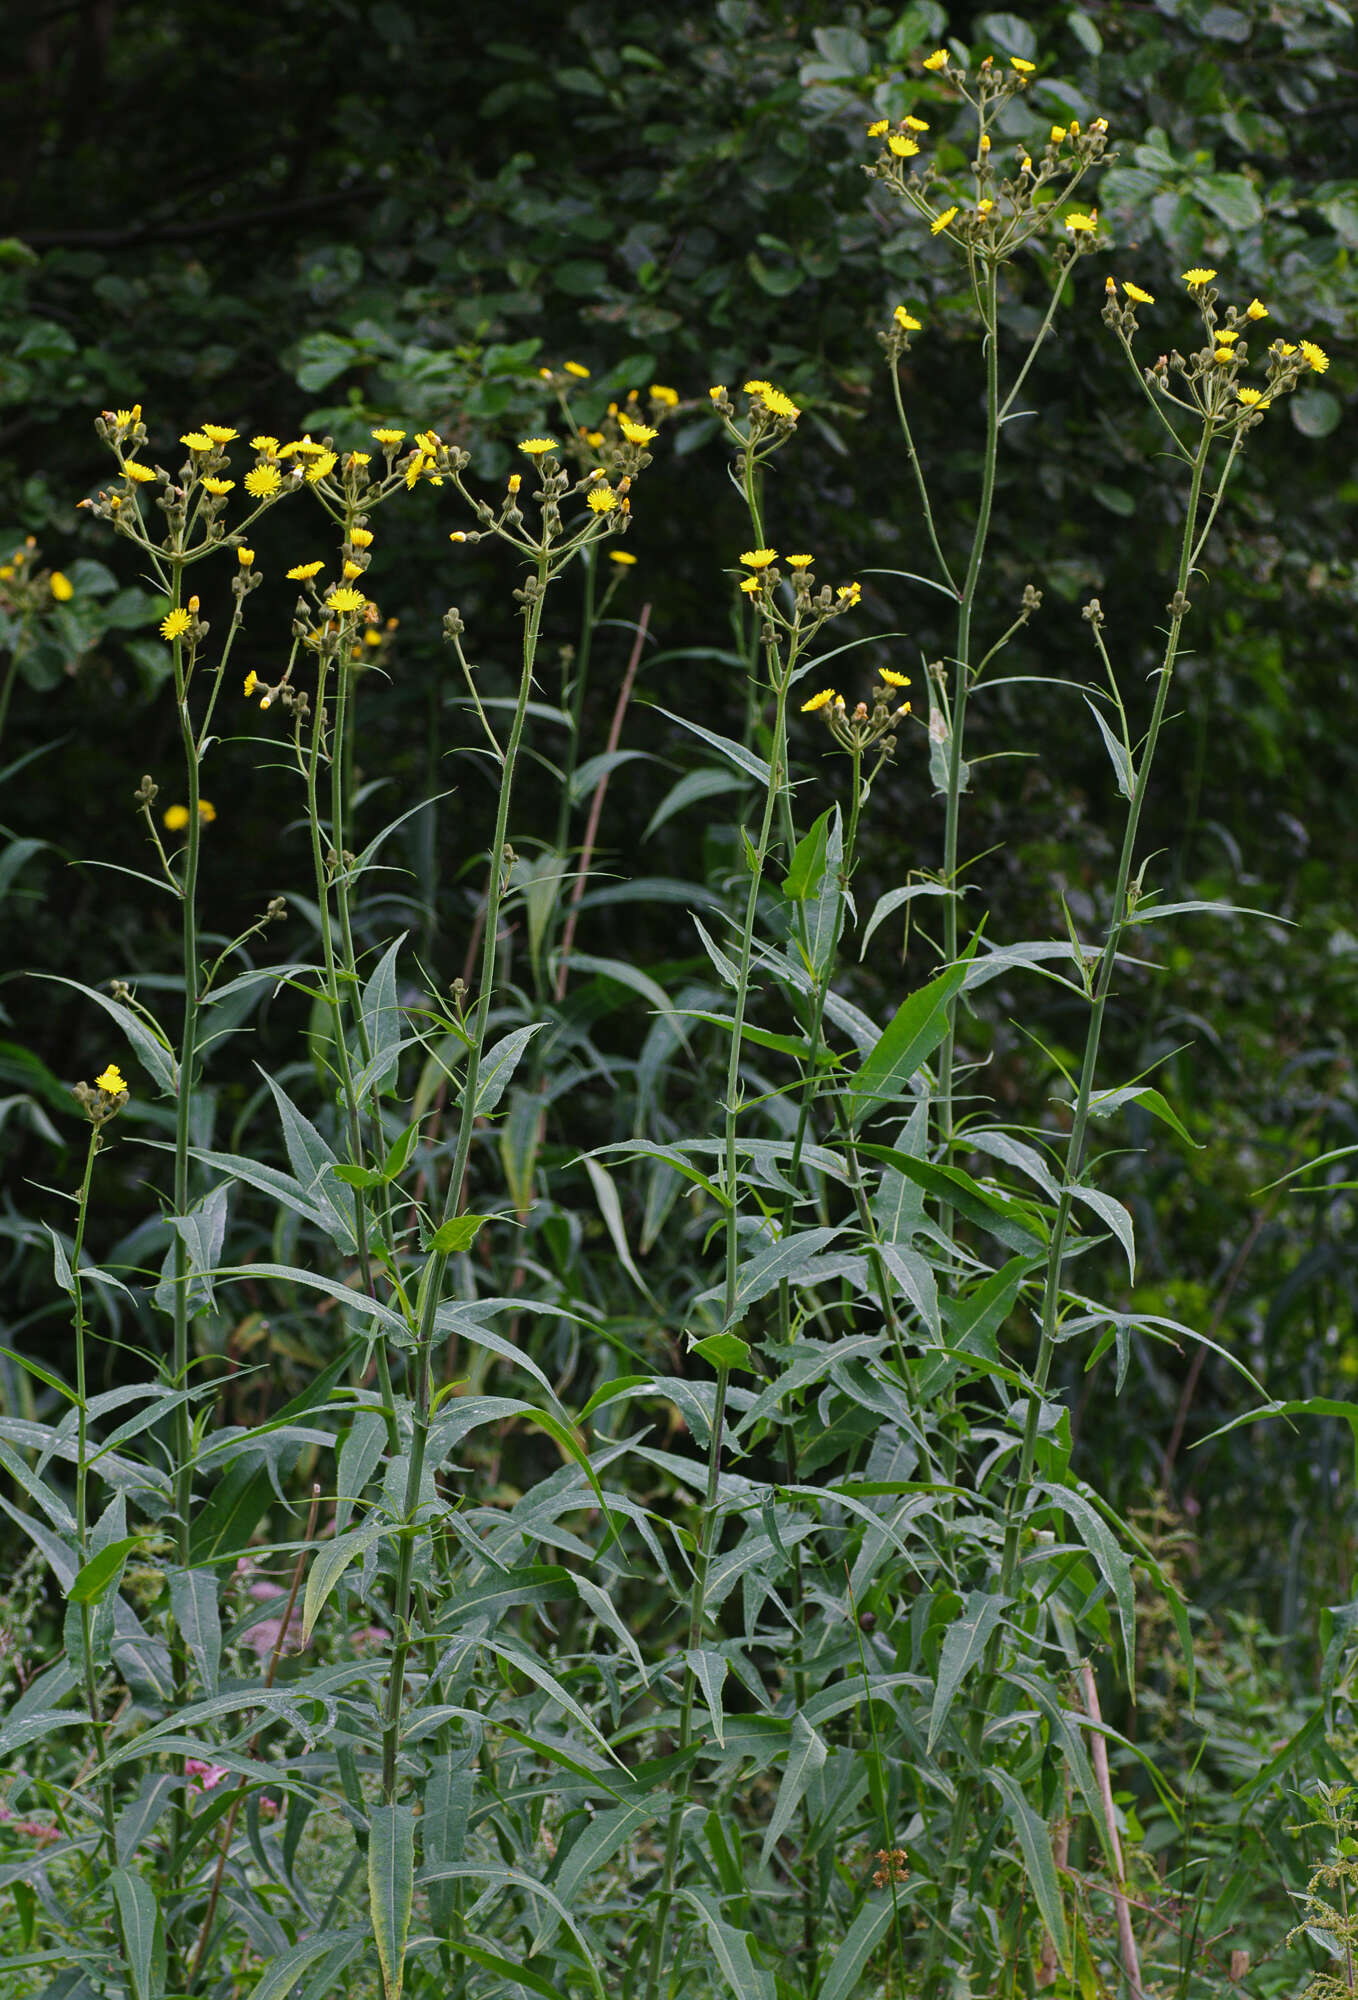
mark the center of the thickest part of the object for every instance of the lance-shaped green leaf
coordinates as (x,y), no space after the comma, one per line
(1038,1863)
(391,1889)
(137,1921)
(806,1754)
(911,1037)
(329,1565)
(963,1644)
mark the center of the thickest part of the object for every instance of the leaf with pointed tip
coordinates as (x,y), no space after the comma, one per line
(963,1644)
(391,1888)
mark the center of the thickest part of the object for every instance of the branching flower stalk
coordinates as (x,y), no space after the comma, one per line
(1213,397)
(547,553)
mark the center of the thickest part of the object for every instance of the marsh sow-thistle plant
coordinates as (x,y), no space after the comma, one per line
(674,1579)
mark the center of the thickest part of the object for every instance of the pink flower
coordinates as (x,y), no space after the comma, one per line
(204,1777)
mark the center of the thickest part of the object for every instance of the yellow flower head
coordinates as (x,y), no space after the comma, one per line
(667,398)
(267,447)
(323,462)
(636,433)
(219,433)
(1080,224)
(263,482)
(891,679)
(1059,134)
(362,538)
(175,818)
(1285,347)
(779,405)
(937,61)
(140,475)
(196,441)
(751,585)
(1253,399)
(758,558)
(878,126)
(538,447)
(601,500)
(61,587)
(756,387)
(799,562)
(246,558)
(218,486)
(1316,356)
(1135,293)
(904,149)
(1256,309)
(1199,275)
(916,124)
(940,222)
(346,600)
(1023,67)
(849,593)
(351,570)
(717,391)
(207,812)
(906,321)
(821,700)
(621,556)
(126,418)
(251,683)
(304,447)
(594,439)
(112,1078)
(177,622)
(577,368)
(304,572)
(389,437)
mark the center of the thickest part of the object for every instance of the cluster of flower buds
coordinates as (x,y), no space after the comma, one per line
(106,1099)
(771,418)
(1210,376)
(863,727)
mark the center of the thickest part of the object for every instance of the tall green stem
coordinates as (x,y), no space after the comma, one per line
(431,1282)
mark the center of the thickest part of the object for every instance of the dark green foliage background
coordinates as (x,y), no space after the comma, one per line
(317,218)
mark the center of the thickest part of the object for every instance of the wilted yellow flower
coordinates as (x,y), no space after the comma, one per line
(61,586)
(940,222)
(577,369)
(346,600)
(906,321)
(938,60)
(219,433)
(821,700)
(304,572)
(758,558)
(636,433)
(196,441)
(218,486)
(138,474)
(601,500)
(904,149)
(538,447)
(667,397)
(1256,309)
(176,622)
(112,1078)
(621,556)
(1135,293)
(1316,356)
(1199,275)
